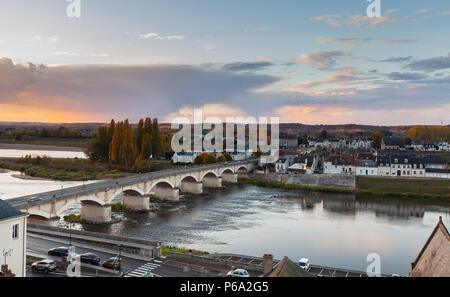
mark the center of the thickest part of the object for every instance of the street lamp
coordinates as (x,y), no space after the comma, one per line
(6,253)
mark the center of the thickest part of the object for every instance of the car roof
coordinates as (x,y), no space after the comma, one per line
(47,261)
(240,270)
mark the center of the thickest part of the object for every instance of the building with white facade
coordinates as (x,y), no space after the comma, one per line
(340,164)
(184,158)
(13,229)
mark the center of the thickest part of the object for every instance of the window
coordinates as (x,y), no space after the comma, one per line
(15,231)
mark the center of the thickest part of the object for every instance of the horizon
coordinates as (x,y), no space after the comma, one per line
(164,59)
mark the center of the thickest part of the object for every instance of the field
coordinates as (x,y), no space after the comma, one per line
(404,186)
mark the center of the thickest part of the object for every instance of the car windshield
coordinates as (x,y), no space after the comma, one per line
(302,264)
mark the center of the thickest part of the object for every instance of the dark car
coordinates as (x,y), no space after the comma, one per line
(34,199)
(112,263)
(90,258)
(59,251)
(44,265)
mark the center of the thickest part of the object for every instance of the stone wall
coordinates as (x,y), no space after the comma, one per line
(313,180)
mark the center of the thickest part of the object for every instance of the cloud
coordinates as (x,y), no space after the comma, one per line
(431,64)
(323,60)
(406,76)
(342,76)
(208,46)
(349,42)
(396,41)
(356,20)
(159,37)
(246,66)
(446,12)
(121,91)
(267,58)
(63,53)
(421,11)
(50,39)
(395,60)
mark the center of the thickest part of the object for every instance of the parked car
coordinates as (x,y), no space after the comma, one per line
(304,263)
(46,266)
(112,263)
(59,251)
(90,258)
(238,273)
(34,199)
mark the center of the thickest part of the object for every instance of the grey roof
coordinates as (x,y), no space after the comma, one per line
(8,212)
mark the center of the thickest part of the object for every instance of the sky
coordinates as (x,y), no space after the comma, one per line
(310,62)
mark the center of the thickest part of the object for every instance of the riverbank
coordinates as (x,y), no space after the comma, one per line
(408,188)
(40,147)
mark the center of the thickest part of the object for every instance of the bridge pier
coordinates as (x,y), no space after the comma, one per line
(212,182)
(137,202)
(191,187)
(231,178)
(92,212)
(167,193)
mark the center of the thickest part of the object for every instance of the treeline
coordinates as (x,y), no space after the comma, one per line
(120,144)
(60,132)
(206,158)
(429,133)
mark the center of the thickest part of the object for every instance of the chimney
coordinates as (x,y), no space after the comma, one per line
(267,264)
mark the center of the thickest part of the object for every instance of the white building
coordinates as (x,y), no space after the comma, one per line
(366,168)
(282,165)
(184,157)
(437,173)
(360,144)
(13,228)
(336,164)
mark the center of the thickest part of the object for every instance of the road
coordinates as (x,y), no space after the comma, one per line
(129,266)
(21,202)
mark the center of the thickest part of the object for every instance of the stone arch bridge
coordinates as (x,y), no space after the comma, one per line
(95,198)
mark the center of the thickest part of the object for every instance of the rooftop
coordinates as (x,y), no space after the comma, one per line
(8,212)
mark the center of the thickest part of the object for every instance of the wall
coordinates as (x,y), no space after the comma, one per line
(314,180)
(16,262)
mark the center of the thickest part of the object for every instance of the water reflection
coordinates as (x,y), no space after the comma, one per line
(330,229)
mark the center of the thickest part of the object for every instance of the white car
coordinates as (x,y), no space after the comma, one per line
(304,263)
(238,273)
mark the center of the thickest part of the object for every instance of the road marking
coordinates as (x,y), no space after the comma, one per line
(142,270)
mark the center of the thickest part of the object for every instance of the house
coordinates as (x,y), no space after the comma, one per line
(360,144)
(434,258)
(437,173)
(393,143)
(384,165)
(305,164)
(340,164)
(289,141)
(184,157)
(281,165)
(435,162)
(402,165)
(13,228)
(366,167)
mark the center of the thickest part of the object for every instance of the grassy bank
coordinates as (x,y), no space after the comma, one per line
(62,170)
(279,185)
(165,249)
(401,188)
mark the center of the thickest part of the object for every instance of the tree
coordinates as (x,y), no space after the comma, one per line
(227,157)
(146,147)
(156,138)
(377,137)
(139,135)
(210,159)
(199,160)
(322,135)
(221,159)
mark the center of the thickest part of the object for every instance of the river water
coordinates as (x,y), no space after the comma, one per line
(329,229)
(12,153)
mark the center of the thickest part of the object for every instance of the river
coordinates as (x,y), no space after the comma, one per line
(329,229)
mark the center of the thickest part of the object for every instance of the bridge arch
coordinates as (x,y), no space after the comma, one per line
(130,190)
(226,171)
(93,200)
(242,169)
(161,183)
(209,174)
(188,178)
(39,213)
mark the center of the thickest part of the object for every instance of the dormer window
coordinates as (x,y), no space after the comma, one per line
(396,160)
(406,160)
